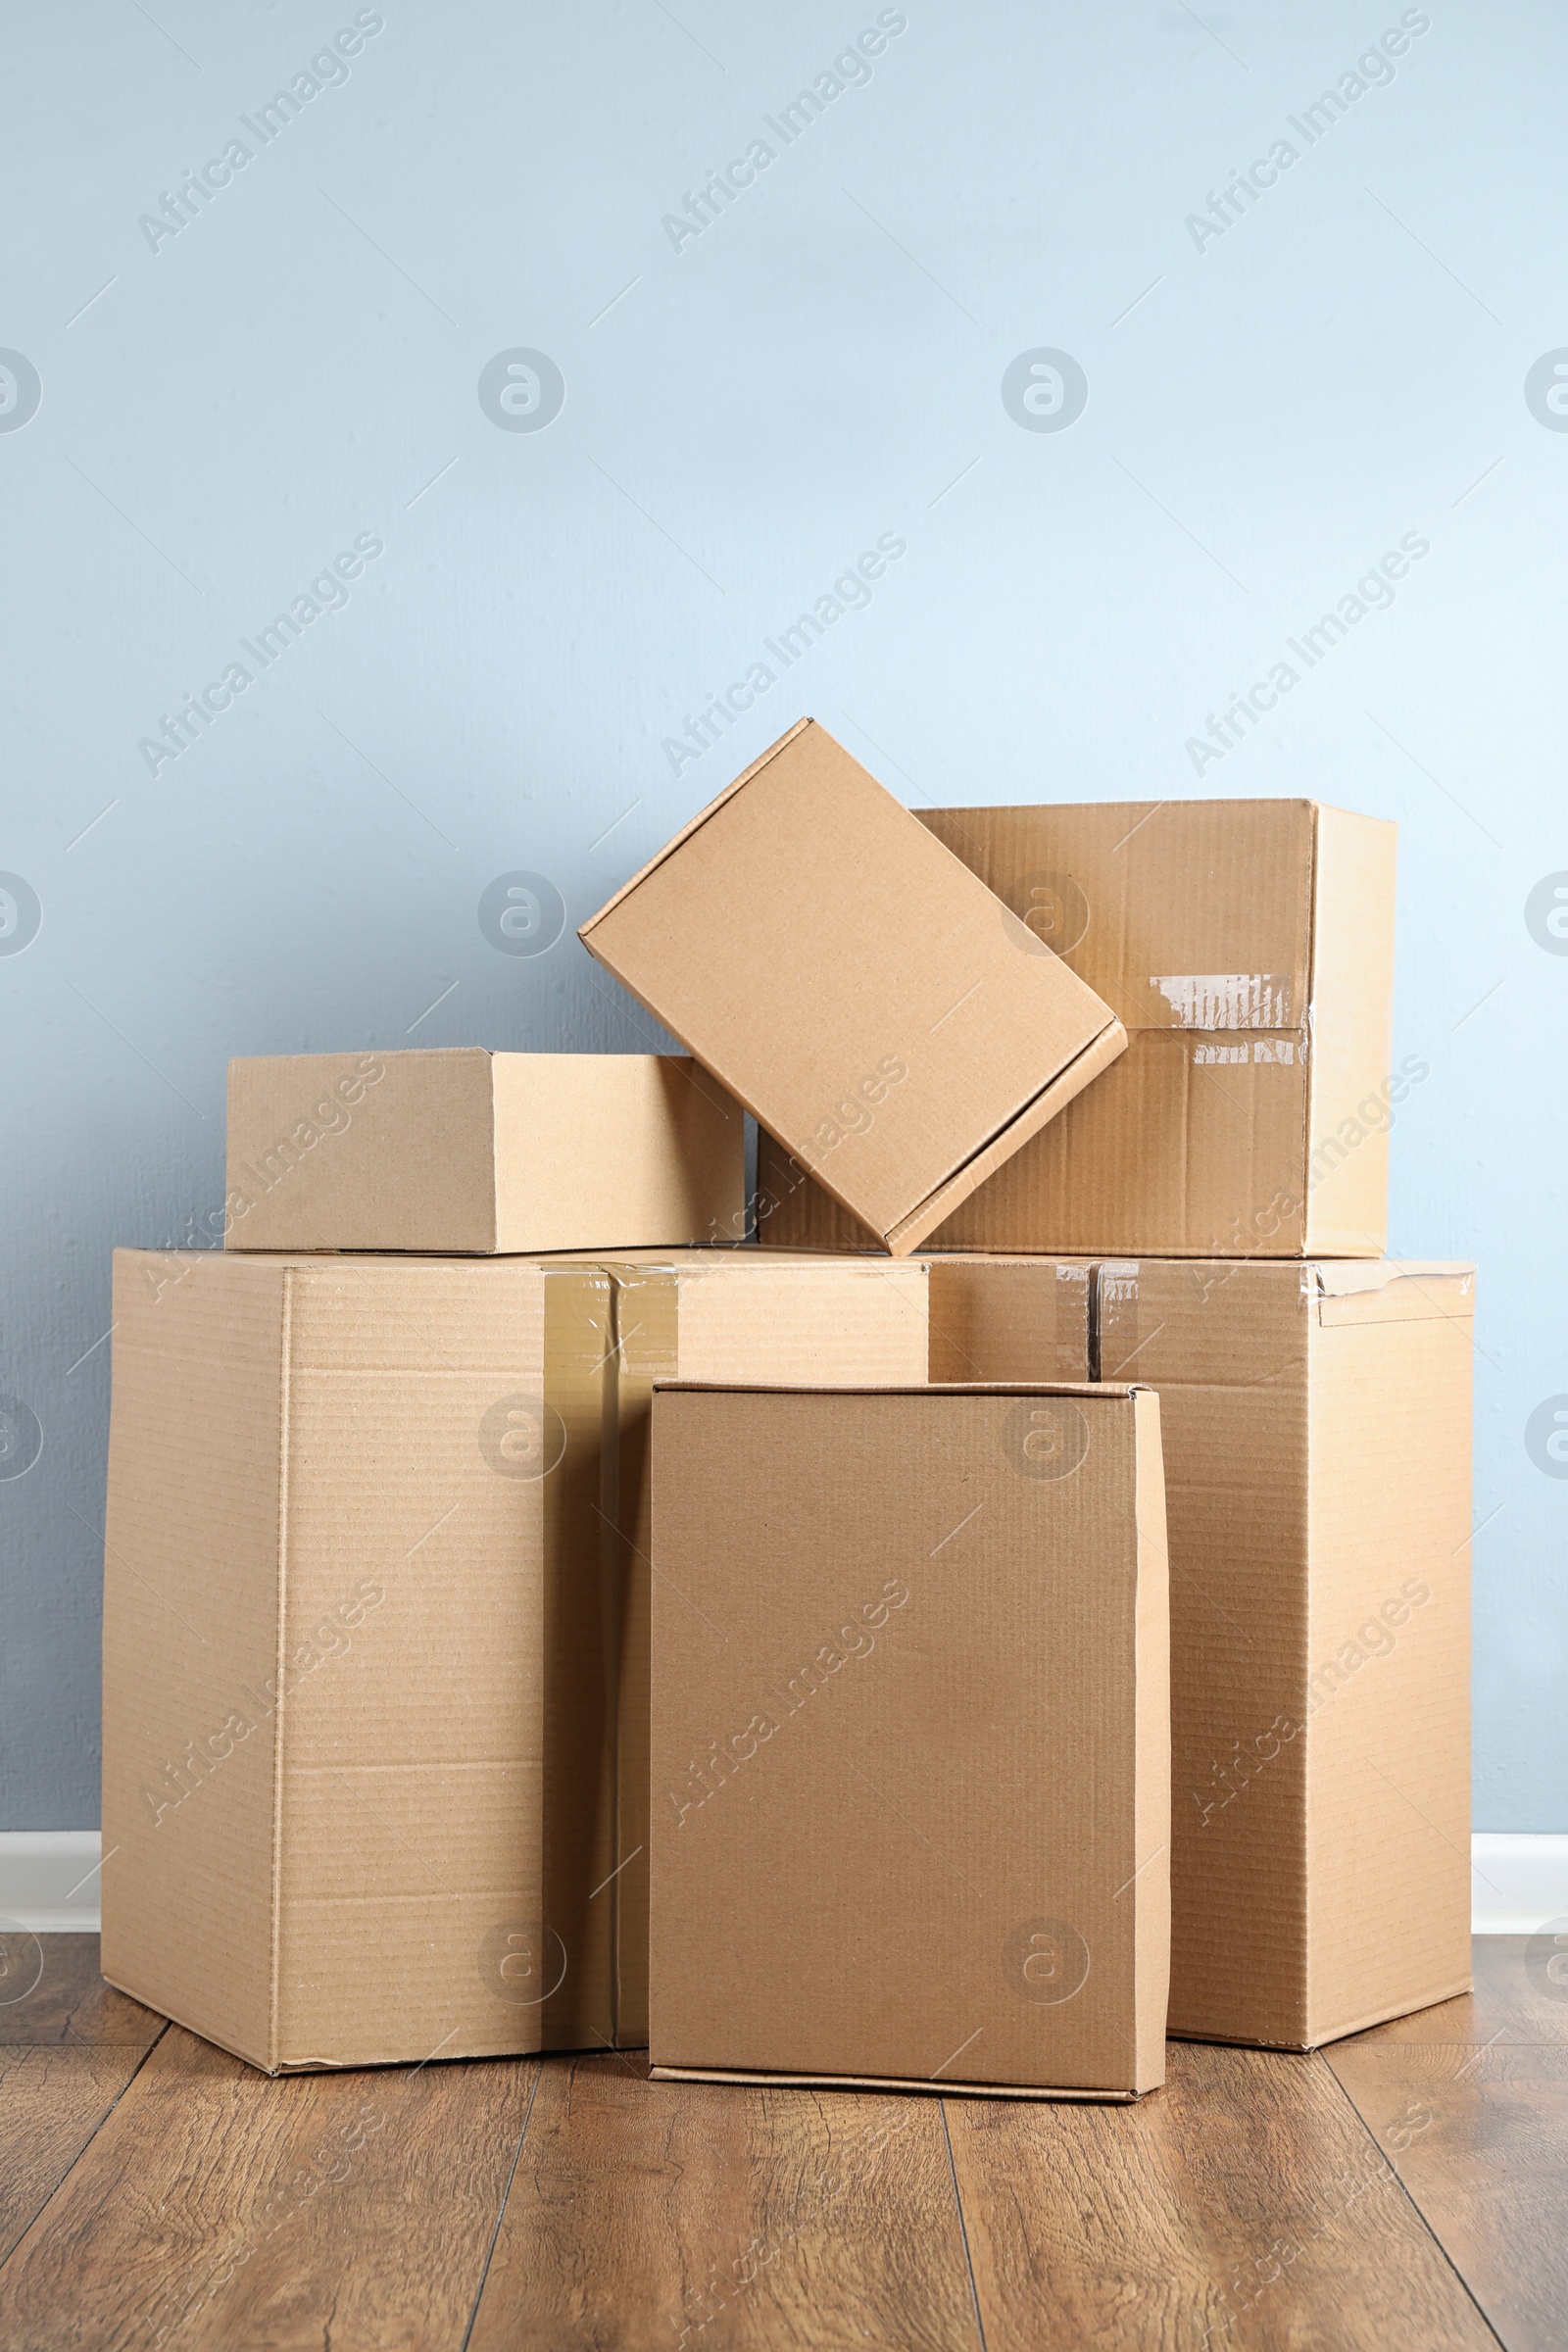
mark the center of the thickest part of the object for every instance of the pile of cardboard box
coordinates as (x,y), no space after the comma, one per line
(551,1603)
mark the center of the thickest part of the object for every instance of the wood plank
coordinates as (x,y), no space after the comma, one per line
(57,1994)
(51,2103)
(216,2208)
(1243,2206)
(684,2214)
(1514,2001)
(1480,2138)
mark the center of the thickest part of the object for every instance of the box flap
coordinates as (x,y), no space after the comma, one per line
(1341,1277)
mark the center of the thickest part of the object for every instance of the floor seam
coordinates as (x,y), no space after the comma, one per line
(963,2226)
(91,2136)
(1409,2195)
(501,2210)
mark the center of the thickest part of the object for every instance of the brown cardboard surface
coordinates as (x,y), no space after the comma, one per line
(902,1061)
(727,1315)
(458,1150)
(909,1752)
(1316,1425)
(1247,948)
(376,1630)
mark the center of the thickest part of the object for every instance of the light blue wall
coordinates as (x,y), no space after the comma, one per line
(1269,410)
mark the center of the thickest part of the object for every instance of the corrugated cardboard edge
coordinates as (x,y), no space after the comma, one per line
(495,1155)
(910,1231)
(1337,1278)
(248,2057)
(687,830)
(274,1967)
(1347,902)
(927,1388)
(1333,2034)
(1152,1792)
(927,2085)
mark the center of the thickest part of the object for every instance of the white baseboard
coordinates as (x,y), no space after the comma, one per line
(49,1881)
(1518,1881)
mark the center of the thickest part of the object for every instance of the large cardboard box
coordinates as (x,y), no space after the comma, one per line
(1247,948)
(375,1780)
(848,979)
(1317,1469)
(458,1150)
(911,1739)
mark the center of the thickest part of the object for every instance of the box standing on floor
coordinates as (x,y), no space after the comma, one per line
(911,1739)
(1317,1449)
(455,1149)
(376,1622)
(848,979)
(1247,948)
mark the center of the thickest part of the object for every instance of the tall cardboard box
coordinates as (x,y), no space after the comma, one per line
(849,980)
(1316,1427)
(1247,947)
(453,1149)
(911,1739)
(376,1630)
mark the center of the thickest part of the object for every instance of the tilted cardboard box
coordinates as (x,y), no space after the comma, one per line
(376,1630)
(1247,948)
(1317,1465)
(852,983)
(458,1149)
(911,1739)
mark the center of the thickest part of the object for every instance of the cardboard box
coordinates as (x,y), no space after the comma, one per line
(1317,1464)
(457,1149)
(849,981)
(376,1630)
(1247,948)
(911,1739)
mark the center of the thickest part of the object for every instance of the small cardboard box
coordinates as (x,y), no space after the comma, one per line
(375,1609)
(1317,1447)
(851,982)
(458,1149)
(911,1739)
(1247,948)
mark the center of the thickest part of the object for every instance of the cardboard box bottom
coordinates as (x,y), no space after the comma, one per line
(1331,2034)
(910,2083)
(335,2065)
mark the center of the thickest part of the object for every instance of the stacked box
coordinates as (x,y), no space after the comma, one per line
(537,1618)
(1247,948)
(375,1631)
(1316,1422)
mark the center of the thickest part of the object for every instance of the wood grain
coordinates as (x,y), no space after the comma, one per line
(1243,2206)
(1480,2138)
(1510,2003)
(215,2208)
(1386,2192)
(675,2215)
(51,2103)
(69,2001)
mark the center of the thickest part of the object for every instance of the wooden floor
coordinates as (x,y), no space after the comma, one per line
(1405,2191)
